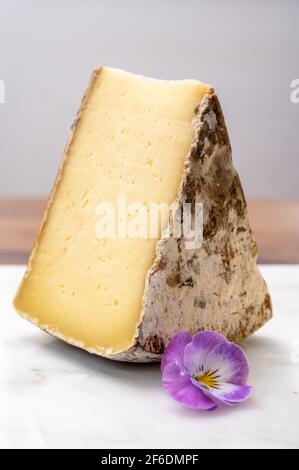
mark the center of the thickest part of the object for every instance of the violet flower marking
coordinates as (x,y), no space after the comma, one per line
(205,371)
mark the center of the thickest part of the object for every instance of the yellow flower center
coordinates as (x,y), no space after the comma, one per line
(208,379)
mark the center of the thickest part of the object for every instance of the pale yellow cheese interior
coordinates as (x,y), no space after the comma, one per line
(132,139)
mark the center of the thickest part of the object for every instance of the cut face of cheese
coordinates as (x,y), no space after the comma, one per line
(131,138)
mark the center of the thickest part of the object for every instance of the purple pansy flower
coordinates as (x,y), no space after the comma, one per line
(204,371)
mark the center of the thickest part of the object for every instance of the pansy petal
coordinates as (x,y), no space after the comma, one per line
(228,394)
(180,387)
(175,350)
(229,363)
(198,350)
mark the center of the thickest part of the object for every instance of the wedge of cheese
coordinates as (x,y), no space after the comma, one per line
(143,141)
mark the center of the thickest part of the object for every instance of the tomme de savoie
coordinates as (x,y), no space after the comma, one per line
(153,141)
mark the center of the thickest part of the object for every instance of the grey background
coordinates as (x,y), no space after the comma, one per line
(249,51)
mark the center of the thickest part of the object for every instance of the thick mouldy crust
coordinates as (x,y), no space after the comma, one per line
(218,286)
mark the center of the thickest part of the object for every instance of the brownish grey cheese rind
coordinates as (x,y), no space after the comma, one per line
(215,287)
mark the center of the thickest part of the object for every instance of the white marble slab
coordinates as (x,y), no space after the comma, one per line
(53,395)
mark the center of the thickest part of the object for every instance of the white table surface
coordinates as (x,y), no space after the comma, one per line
(53,395)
